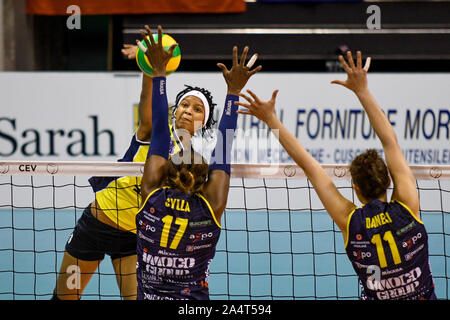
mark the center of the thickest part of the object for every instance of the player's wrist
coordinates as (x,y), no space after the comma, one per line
(272,121)
(159,73)
(361,92)
(233,91)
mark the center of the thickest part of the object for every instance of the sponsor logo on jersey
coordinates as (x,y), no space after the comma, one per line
(410,255)
(192,248)
(412,241)
(405,228)
(396,287)
(200,236)
(199,224)
(361,255)
(145,226)
(167,266)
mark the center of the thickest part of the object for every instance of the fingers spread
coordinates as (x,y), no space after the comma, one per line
(344,64)
(245,105)
(150,36)
(350,59)
(235,59)
(145,39)
(367,64)
(160,36)
(246,97)
(252,60)
(245,112)
(172,47)
(338,82)
(358,59)
(274,94)
(141,46)
(255,70)
(254,96)
(244,56)
(222,67)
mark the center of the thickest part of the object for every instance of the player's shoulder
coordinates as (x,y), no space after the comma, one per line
(405,209)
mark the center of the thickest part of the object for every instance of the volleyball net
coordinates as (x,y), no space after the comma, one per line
(277,241)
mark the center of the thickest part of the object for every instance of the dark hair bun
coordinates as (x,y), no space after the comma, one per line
(187,171)
(369,172)
(187,179)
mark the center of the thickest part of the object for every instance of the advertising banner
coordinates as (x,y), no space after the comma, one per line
(84,116)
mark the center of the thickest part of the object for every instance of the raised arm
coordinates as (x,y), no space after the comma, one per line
(158,152)
(217,186)
(144,130)
(336,205)
(403,179)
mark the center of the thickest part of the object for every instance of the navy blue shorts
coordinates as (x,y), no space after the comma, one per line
(92,239)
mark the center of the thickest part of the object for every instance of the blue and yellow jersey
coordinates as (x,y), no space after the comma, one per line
(388,248)
(177,235)
(120,197)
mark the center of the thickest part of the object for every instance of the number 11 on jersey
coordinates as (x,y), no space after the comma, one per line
(389,238)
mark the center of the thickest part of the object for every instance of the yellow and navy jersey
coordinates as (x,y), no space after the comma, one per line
(177,238)
(120,197)
(388,248)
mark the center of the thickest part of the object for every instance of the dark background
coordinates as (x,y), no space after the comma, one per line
(292,36)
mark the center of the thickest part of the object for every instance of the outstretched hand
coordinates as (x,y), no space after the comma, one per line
(356,74)
(129,51)
(156,54)
(263,110)
(237,77)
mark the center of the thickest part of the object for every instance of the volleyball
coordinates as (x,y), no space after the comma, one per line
(173,63)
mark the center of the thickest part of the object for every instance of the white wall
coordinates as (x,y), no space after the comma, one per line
(2,48)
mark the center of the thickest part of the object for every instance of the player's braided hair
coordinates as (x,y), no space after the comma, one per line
(209,98)
(187,172)
(370,173)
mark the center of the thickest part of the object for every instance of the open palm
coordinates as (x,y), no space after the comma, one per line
(356,74)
